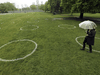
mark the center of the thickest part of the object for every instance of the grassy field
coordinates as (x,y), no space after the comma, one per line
(57,52)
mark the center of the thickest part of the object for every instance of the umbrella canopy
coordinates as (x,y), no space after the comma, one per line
(87,25)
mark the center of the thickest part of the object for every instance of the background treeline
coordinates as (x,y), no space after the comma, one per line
(5,7)
(73,6)
(60,6)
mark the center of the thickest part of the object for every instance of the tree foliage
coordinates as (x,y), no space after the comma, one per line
(46,6)
(53,5)
(81,6)
(33,7)
(88,6)
(10,6)
(41,7)
(5,7)
(2,8)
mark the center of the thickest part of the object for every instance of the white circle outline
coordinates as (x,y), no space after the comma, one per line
(28,22)
(30,29)
(46,19)
(86,47)
(66,24)
(22,57)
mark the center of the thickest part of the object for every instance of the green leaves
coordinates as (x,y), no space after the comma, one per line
(5,7)
(81,5)
(41,7)
(47,6)
(33,7)
(53,5)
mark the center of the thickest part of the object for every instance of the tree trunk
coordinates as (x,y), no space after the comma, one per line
(81,15)
(61,10)
(51,11)
(72,14)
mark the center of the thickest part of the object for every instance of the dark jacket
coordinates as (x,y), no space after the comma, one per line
(91,36)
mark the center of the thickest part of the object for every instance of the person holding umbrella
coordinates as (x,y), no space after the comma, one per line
(89,39)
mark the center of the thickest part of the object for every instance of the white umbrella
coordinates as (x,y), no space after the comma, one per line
(87,25)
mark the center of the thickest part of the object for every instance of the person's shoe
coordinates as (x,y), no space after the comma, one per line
(89,52)
(82,49)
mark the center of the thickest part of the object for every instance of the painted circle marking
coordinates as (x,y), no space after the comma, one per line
(30,29)
(22,57)
(66,25)
(86,47)
(28,22)
(46,19)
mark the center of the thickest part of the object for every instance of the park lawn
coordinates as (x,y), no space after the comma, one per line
(57,52)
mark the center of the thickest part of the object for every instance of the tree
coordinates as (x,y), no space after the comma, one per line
(54,5)
(61,7)
(2,8)
(5,7)
(10,6)
(46,7)
(33,7)
(41,7)
(57,7)
(67,5)
(50,5)
(81,6)
(86,6)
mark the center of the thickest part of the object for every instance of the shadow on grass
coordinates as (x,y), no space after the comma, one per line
(96,20)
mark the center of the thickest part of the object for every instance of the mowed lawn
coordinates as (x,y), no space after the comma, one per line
(57,51)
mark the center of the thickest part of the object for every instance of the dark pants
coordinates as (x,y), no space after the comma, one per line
(85,41)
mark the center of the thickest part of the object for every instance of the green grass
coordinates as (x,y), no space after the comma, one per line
(57,52)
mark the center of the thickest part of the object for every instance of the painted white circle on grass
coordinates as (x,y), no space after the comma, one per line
(72,26)
(30,29)
(22,57)
(86,47)
(28,22)
(46,19)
